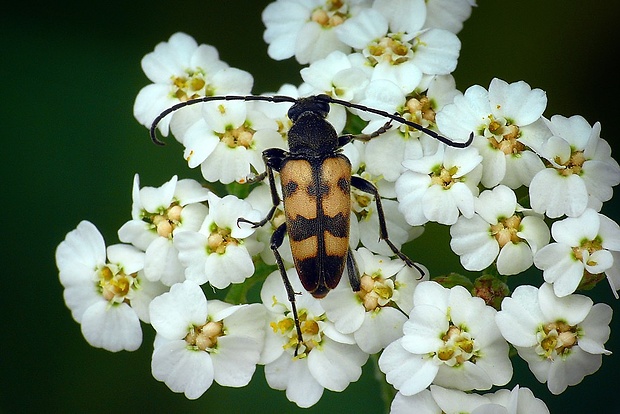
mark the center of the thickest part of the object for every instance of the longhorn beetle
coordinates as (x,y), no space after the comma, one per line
(316,183)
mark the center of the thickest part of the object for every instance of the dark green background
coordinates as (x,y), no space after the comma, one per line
(70,146)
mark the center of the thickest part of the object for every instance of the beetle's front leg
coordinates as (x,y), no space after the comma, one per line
(273,158)
(368,187)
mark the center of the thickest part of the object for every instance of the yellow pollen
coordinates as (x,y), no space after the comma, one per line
(238,137)
(506,230)
(115,286)
(205,337)
(219,239)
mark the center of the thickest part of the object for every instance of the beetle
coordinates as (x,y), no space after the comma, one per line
(316,183)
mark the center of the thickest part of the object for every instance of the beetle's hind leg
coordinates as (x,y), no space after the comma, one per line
(276,241)
(353,272)
(368,187)
(345,139)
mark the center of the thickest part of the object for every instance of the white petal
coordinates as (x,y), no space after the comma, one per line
(174,312)
(514,258)
(337,365)
(183,370)
(407,372)
(114,328)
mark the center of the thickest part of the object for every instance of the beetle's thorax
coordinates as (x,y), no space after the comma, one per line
(312,135)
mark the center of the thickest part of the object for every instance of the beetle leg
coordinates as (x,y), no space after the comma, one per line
(276,241)
(353,272)
(368,187)
(273,161)
(345,139)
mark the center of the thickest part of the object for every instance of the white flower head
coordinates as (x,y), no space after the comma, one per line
(584,248)
(305,28)
(448,14)
(498,233)
(227,141)
(502,118)
(157,215)
(450,340)
(221,251)
(562,339)
(370,314)
(390,38)
(198,342)
(580,172)
(383,156)
(181,70)
(105,291)
(327,359)
(439,186)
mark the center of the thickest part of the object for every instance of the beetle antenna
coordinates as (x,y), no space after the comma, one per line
(400,119)
(176,107)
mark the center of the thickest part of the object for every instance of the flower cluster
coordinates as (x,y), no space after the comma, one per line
(526,194)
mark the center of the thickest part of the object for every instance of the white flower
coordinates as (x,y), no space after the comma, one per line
(560,338)
(107,297)
(181,70)
(218,253)
(581,172)
(503,118)
(448,14)
(450,340)
(370,314)
(583,249)
(228,140)
(338,75)
(439,185)
(518,401)
(199,341)
(305,28)
(383,156)
(157,215)
(391,40)
(497,231)
(448,401)
(327,359)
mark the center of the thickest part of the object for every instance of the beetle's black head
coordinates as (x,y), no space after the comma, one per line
(314,104)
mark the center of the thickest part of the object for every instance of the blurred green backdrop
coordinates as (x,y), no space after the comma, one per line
(71,71)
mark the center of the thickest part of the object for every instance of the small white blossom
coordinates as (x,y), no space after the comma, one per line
(157,215)
(327,359)
(562,339)
(580,172)
(583,248)
(448,14)
(370,314)
(305,28)
(383,156)
(502,118)
(218,253)
(228,140)
(106,297)
(450,340)
(198,342)
(181,70)
(440,185)
(498,233)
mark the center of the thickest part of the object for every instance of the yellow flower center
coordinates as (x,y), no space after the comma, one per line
(502,135)
(392,49)
(115,285)
(219,239)
(376,292)
(166,221)
(238,137)
(311,332)
(332,14)
(191,86)
(506,230)
(444,177)
(573,165)
(556,339)
(204,338)
(458,347)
